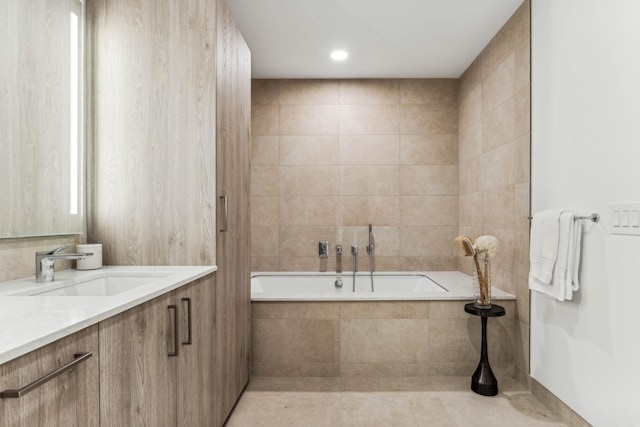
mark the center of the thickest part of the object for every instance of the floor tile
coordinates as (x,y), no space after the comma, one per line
(386,401)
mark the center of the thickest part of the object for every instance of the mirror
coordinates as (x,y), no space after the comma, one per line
(41,117)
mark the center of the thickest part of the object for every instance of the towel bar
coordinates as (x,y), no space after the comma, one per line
(594,217)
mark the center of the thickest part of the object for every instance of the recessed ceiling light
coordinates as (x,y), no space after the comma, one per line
(339,55)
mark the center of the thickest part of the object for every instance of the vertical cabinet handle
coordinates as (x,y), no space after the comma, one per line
(18,393)
(225,213)
(176,347)
(188,301)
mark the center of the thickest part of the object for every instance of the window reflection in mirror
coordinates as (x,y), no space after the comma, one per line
(41,117)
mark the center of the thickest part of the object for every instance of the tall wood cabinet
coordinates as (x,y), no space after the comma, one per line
(169,155)
(233,150)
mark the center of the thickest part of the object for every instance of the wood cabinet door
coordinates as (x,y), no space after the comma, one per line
(233,301)
(69,399)
(196,363)
(137,375)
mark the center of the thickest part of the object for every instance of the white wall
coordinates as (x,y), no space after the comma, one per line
(586,155)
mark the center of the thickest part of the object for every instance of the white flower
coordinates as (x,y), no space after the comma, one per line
(486,246)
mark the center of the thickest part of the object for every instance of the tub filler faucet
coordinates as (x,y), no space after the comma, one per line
(338,259)
(45,268)
(354,252)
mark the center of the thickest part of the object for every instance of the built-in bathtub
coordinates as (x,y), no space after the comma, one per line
(385,286)
(412,325)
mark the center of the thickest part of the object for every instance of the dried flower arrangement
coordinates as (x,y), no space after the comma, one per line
(484,248)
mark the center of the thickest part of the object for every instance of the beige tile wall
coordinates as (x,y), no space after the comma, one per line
(331,156)
(494,162)
(376,339)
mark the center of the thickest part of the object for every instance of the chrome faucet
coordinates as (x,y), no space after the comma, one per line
(45,268)
(338,259)
(370,245)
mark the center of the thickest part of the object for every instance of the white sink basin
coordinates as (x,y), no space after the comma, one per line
(103,285)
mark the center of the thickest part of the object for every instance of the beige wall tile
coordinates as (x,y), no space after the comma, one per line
(309,150)
(429,149)
(264,92)
(521,255)
(383,340)
(309,119)
(470,107)
(522,112)
(471,78)
(309,180)
(458,340)
(498,126)
(370,91)
(433,241)
(369,180)
(385,310)
(309,92)
(264,180)
(303,241)
(311,263)
(522,206)
(264,150)
(264,241)
(264,211)
(387,263)
(428,119)
(523,159)
(428,263)
(295,310)
(522,66)
(369,119)
(270,263)
(429,91)
(264,119)
(295,341)
(470,142)
(498,207)
(431,180)
(359,210)
(369,149)
(429,210)
(469,176)
(497,168)
(498,86)
(309,210)
(471,209)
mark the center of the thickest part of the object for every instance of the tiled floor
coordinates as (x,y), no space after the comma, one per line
(370,402)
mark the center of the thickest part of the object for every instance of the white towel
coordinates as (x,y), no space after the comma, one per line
(545,234)
(564,278)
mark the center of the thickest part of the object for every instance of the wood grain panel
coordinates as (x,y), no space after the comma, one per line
(71,399)
(137,377)
(35,117)
(154,131)
(233,277)
(196,363)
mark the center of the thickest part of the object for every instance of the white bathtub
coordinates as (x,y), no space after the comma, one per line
(387,286)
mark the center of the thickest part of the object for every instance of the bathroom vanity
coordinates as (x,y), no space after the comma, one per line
(143,355)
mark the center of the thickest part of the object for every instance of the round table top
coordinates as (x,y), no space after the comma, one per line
(495,310)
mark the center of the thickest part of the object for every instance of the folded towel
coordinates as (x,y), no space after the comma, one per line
(564,277)
(545,234)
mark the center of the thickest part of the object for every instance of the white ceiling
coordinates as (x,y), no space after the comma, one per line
(384,38)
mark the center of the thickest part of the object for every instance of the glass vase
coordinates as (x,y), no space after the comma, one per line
(481,283)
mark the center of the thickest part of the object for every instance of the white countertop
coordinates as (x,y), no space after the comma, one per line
(30,322)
